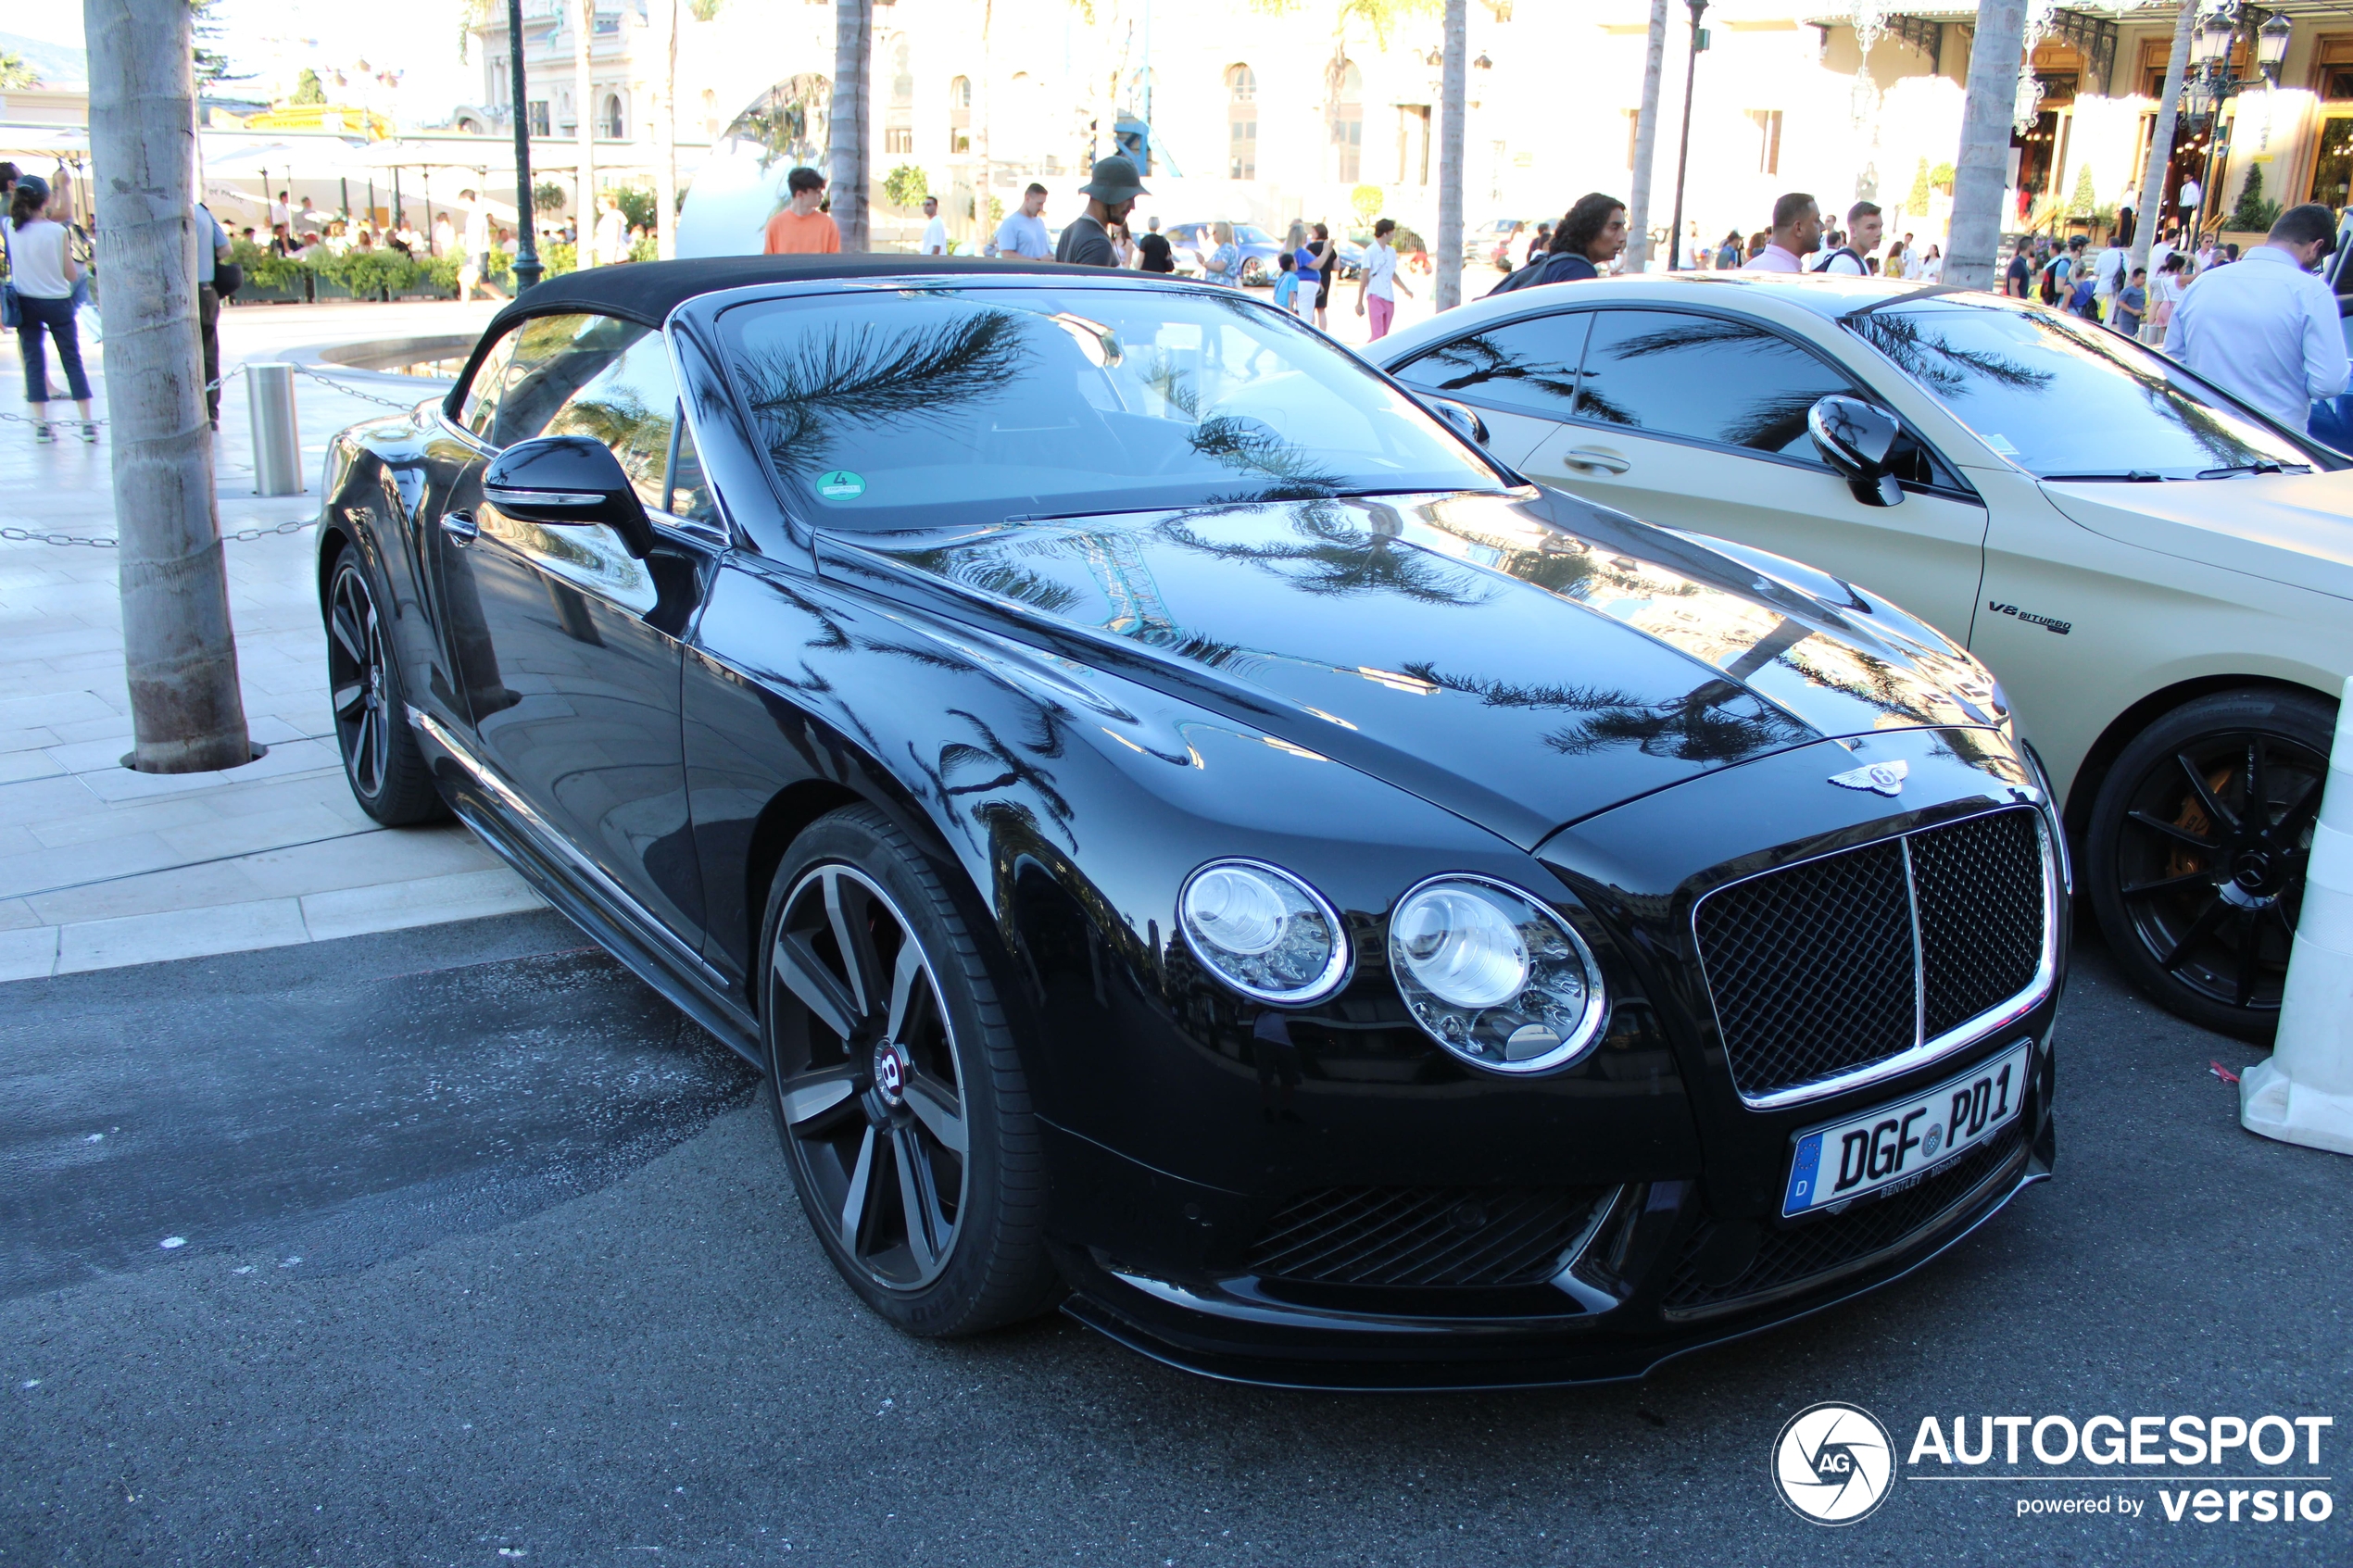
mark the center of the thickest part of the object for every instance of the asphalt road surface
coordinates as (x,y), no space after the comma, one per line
(459,1246)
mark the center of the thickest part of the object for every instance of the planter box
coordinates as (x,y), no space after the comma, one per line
(270,293)
(322,288)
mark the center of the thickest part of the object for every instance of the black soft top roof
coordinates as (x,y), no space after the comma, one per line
(648,291)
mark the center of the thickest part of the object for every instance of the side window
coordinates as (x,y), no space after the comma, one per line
(628,404)
(481,403)
(1528,366)
(1704,378)
(555,356)
(689,492)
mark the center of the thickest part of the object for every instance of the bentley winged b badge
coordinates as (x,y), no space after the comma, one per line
(1885,777)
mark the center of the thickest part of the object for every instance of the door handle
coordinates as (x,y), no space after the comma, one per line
(1595,458)
(460,527)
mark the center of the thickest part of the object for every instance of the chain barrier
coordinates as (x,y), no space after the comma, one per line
(222,380)
(242,536)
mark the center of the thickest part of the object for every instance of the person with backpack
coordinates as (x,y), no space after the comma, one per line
(1588,238)
(1864,223)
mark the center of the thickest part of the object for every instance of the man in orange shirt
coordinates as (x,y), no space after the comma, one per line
(801,229)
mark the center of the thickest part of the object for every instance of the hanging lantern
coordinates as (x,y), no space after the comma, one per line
(1869,19)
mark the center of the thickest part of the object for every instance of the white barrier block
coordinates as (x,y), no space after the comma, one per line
(2304,1094)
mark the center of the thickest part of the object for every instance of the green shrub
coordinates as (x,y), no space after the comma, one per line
(907,186)
(266,270)
(2252,211)
(557,259)
(637,205)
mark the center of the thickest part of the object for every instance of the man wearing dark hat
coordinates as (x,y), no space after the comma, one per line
(1110,194)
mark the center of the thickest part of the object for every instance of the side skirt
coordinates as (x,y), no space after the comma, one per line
(502,819)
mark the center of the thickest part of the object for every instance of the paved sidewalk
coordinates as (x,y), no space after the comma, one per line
(101,866)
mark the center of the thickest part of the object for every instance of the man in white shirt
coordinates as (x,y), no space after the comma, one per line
(476,251)
(2267,331)
(279,212)
(935,228)
(1797,228)
(1377,282)
(1023,231)
(1865,225)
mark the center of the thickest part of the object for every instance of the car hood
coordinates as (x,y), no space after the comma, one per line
(1523,660)
(2292,528)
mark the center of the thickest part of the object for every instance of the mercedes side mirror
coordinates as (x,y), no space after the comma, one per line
(1462,417)
(565,480)
(1857,439)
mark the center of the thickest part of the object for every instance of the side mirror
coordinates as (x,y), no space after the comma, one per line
(564,480)
(1461,416)
(1858,438)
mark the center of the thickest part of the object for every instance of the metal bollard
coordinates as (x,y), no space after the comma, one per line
(277,440)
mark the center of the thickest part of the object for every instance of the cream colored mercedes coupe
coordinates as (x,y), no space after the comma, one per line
(2160,577)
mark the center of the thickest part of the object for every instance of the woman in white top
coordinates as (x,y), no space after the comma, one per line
(45,270)
(1933,265)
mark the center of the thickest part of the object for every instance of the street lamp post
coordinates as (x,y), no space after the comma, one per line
(2211,84)
(526,240)
(1683,151)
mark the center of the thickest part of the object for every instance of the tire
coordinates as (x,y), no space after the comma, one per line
(388,774)
(2197,895)
(1252,275)
(875,1074)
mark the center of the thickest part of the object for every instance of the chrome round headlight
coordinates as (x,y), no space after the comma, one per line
(1264,931)
(1495,975)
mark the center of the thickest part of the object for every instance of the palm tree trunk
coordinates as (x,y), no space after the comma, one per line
(1447,292)
(1638,209)
(666,130)
(583,109)
(180,651)
(1981,174)
(2160,158)
(846,125)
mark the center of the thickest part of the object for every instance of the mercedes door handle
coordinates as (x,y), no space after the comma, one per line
(1595,458)
(460,527)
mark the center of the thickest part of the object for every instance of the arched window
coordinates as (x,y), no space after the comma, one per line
(1241,123)
(1348,124)
(899,127)
(612,126)
(960,115)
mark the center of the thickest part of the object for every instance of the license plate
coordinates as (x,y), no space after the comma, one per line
(1896,1145)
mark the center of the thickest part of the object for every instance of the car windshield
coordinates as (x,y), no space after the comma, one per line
(1252,234)
(912,408)
(2067,399)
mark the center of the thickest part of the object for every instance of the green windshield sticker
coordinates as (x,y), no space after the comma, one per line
(841,485)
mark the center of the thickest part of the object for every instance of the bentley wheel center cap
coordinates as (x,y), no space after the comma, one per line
(890,1072)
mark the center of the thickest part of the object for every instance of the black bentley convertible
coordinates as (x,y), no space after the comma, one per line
(1189,837)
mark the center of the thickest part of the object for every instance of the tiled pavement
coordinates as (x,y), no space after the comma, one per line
(100,866)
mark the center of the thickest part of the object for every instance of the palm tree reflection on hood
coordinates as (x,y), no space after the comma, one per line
(1715,721)
(865,374)
(1330,554)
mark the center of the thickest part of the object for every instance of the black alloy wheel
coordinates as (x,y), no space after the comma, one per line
(2198,843)
(388,774)
(897,1095)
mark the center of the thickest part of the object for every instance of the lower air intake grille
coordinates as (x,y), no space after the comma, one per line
(1424,1235)
(1809,1253)
(1833,964)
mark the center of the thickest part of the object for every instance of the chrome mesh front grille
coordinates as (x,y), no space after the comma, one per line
(1485,1236)
(1826,968)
